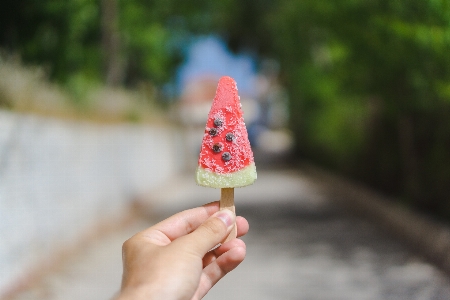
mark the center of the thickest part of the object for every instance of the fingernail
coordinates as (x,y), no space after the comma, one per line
(226,216)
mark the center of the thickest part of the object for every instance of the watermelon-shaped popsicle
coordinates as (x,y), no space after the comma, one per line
(226,158)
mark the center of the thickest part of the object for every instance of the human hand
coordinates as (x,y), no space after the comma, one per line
(171,260)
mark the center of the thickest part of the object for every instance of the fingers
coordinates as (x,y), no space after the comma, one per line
(242,226)
(184,223)
(235,243)
(208,234)
(211,256)
(181,223)
(226,262)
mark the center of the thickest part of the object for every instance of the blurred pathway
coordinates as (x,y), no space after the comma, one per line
(300,246)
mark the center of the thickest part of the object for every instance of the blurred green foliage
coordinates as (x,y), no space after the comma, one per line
(369,81)
(369,86)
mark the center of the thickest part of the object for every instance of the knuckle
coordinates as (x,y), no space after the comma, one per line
(126,245)
(129,244)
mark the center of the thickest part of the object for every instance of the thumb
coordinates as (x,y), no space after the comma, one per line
(214,230)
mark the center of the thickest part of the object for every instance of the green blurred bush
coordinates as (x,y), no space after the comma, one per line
(370,87)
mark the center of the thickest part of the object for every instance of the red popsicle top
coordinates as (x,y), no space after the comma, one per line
(225,147)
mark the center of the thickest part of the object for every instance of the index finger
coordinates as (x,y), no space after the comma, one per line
(183,222)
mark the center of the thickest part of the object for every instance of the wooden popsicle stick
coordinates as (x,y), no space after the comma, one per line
(227,202)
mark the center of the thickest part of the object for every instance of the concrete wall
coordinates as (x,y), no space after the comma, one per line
(58,178)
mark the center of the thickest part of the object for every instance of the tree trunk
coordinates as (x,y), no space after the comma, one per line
(114,70)
(409,156)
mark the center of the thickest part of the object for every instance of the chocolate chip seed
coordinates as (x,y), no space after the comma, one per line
(229,137)
(226,156)
(217,147)
(213,132)
(218,122)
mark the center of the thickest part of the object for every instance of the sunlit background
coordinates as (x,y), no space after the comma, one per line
(103,105)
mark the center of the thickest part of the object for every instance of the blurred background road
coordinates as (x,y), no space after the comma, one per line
(301,245)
